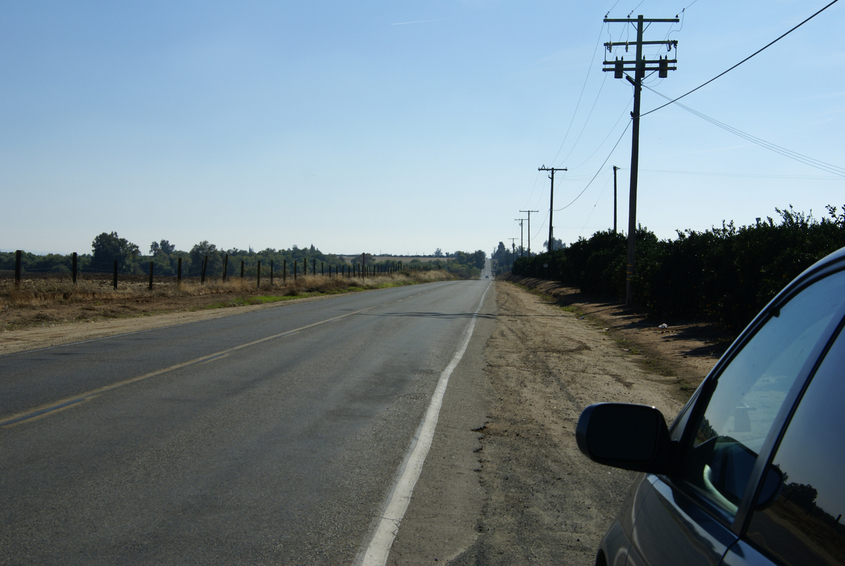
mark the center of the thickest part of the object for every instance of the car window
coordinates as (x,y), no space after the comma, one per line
(750,392)
(804,524)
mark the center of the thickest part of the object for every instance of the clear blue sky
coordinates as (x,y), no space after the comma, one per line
(400,127)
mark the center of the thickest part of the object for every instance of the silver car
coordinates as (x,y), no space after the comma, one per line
(752,470)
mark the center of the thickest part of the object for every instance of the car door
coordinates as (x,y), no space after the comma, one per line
(802,524)
(695,514)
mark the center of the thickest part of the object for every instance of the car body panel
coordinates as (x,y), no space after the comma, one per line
(618,537)
(743,554)
(675,529)
(665,521)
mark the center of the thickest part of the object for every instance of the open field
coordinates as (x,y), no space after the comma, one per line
(405,259)
(49,300)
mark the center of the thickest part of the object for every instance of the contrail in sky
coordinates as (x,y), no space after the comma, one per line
(417,22)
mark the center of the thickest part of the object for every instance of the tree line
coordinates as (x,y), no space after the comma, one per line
(724,274)
(108,248)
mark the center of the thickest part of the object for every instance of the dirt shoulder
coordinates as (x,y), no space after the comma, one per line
(683,349)
(544,501)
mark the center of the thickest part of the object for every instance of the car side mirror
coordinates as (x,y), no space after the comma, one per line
(631,437)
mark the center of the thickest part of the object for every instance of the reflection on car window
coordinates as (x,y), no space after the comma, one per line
(804,525)
(751,390)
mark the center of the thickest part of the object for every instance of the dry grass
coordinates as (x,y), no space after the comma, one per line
(43,291)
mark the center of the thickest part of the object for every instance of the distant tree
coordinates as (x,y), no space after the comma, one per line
(164,264)
(108,248)
(438,253)
(556,244)
(467,265)
(162,247)
(198,254)
(479,259)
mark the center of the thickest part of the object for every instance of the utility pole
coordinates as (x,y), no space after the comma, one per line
(521,240)
(529,229)
(513,251)
(615,168)
(640,66)
(551,197)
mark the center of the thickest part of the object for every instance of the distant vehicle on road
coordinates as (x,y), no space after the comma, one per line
(750,471)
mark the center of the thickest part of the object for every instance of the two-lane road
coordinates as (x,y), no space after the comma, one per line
(275,436)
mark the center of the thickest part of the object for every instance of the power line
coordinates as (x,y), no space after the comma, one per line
(597,172)
(593,209)
(741,62)
(578,104)
(624,111)
(586,121)
(542,225)
(812,162)
(743,175)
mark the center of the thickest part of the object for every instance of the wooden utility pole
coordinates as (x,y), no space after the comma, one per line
(551,197)
(640,66)
(521,240)
(529,229)
(513,251)
(615,169)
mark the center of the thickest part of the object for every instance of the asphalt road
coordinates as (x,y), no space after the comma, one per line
(275,436)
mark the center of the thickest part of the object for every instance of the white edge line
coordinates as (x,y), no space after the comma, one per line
(388,525)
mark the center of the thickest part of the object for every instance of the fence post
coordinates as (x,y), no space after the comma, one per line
(225,266)
(74,262)
(242,269)
(115,275)
(294,271)
(284,271)
(18,270)
(202,270)
(151,275)
(179,273)
(313,267)
(271,273)
(258,273)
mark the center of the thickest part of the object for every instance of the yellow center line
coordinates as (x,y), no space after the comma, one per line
(51,408)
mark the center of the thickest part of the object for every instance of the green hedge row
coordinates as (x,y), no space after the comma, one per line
(724,274)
